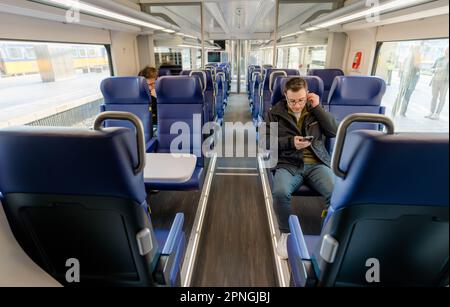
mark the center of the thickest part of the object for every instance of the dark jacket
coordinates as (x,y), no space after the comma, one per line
(319,123)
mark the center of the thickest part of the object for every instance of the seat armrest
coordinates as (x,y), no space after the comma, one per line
(297,234)
(175,233)
(302,269)
(152,145)
(169,265)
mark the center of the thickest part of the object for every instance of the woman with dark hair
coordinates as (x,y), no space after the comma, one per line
(151,74)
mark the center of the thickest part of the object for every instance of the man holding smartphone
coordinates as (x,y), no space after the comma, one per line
(303,126)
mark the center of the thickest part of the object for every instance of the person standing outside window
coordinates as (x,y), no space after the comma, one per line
(409,79)
(439,85)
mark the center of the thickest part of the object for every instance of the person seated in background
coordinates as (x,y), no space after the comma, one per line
(300,158)
(151,74)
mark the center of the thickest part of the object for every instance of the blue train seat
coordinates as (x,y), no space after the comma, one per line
(79,194)
(378,220)
(225,84)
(220,97)
(270,75)
(357,94)
(180,100)
(164,72)
(209,91)
(128,94)
(256,83)
(251,69)
(327,76)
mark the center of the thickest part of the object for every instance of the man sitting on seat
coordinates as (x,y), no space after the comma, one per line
(300,159)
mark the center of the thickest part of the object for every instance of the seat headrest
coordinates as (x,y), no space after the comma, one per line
(405,169)
(69,161)
(202,77)
(270,75)
(315,85)
(179,90)
(125,90)
(164,72)
(256,75)
(357,91)
(327,75)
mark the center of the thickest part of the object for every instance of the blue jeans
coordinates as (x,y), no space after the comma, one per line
(317,176)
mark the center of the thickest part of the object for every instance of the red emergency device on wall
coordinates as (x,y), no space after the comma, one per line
(357,61)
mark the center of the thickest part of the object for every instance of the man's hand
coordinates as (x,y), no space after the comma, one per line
(313,99)
(300,144)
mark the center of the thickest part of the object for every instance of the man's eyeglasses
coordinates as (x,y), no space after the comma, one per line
(300,102)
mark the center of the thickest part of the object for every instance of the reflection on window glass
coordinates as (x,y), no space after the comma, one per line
(417,75)
(260,52)
(15,53)
(50,84)
(188,58)
(29,52)
(82,52)
(302,57)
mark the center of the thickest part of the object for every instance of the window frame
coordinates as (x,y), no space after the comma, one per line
(107,47)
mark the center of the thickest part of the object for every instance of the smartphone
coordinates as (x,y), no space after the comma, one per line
(308,138)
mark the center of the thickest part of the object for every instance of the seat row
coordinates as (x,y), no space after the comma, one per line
(82,194)
(341,95)
(180,99)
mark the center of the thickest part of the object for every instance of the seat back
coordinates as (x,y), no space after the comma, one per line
(180,101)
(220,97)
(327,76)
(270,75)
(225,82)
(164,72)
(208,90)
(357,94)
(128,94)
(256,83)
(315,85)
(388,213)
(210,96)
(75,194)
(251,69)
(169,70)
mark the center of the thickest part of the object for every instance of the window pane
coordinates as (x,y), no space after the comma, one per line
(49,84)
(416,74)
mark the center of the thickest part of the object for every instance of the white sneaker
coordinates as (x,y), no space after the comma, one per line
(282,246)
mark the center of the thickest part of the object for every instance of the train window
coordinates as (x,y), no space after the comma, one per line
(75,53)
(30,54)
(14,53)
(301,57)
(82,53)
(188,58)
(46,84)
(92,53)
(261,52)
(417,76)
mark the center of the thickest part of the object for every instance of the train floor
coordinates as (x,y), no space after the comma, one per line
(235,249)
